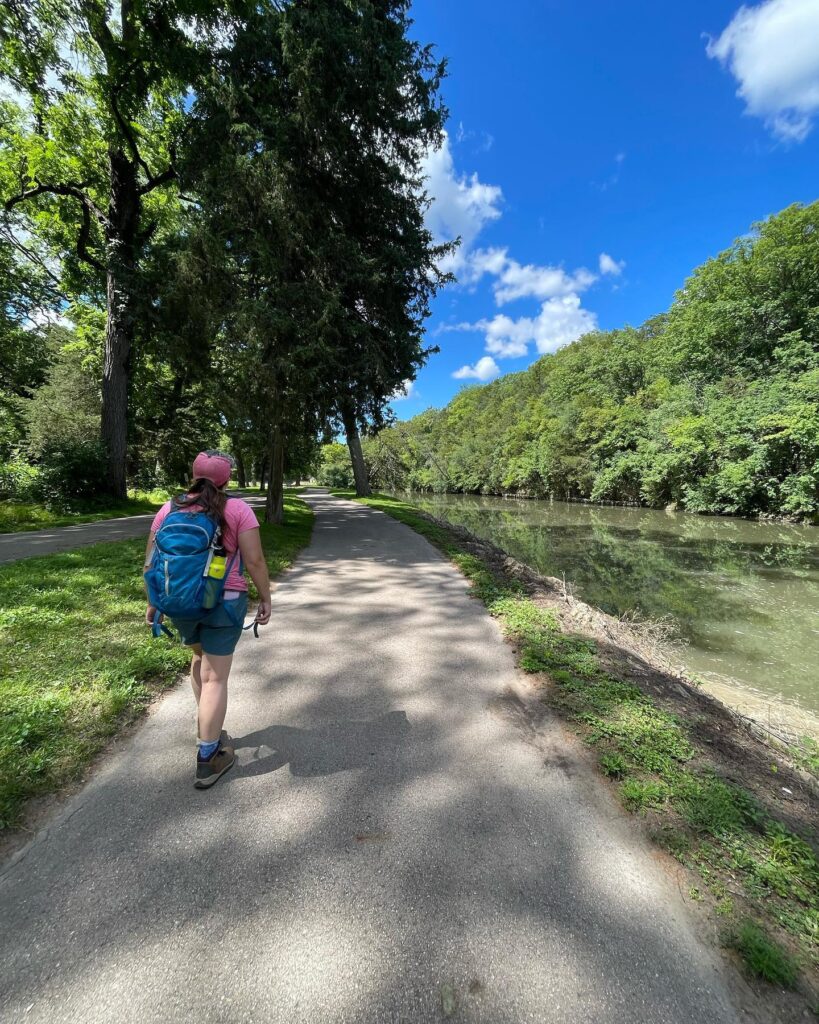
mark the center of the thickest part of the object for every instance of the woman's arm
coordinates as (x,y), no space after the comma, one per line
(250,546)
(149,551)
(146,564)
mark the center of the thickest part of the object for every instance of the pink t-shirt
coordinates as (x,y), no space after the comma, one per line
(239,516)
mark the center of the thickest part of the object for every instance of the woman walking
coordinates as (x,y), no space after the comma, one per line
(213,633)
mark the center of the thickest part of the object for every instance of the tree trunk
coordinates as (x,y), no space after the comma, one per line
(262,473)
(241,474)
(121,246)
(114,423)
(362,479)
(274,506)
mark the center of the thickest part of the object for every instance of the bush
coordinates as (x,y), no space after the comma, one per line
(18,480)
(335,469)
(72,475)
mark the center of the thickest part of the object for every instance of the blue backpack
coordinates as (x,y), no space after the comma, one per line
(178,572)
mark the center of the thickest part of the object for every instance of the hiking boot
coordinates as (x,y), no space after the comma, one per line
(207,772)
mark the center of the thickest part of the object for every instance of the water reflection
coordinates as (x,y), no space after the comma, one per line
(745,595)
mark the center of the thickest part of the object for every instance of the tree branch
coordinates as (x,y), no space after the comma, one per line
(82,242)
(158,179)
(125,128)
(74,189)
(34,258)
(87,205)
(99,30)
(154,180)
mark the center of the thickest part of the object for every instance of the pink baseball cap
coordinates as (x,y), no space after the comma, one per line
(213,466)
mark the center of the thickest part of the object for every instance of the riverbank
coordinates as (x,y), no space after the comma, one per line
(78,663)
(760,517)
(742,597)
(738,815)
(782,721)
(522,496)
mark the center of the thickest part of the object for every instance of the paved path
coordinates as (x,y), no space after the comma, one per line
(29,544)
(393,846)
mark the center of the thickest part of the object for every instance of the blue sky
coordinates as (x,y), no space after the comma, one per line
(652,133)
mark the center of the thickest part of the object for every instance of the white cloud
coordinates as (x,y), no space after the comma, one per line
(514,280)
(407,390)
(480,262)
(461,205)
(538,282)
(505,337)
(772,50)
(614,177)
(35,318)
(561,320)
(485,369)
(611,266)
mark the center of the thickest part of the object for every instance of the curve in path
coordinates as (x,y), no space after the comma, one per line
(392,846)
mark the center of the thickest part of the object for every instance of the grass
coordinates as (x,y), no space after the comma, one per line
(714,827)
(763,957)
(19,516)
(805,754)
(76,661)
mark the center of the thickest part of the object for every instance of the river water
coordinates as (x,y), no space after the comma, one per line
(743,595)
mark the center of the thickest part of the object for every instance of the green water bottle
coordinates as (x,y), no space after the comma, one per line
(214,575)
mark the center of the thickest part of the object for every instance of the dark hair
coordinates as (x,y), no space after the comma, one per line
(207,496)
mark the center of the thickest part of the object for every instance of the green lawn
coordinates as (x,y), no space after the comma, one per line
(76,661)
(714,827)
(18,516)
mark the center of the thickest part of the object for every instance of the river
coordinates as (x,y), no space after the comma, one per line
(743,595)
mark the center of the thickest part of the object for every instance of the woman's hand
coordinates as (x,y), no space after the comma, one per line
(150,615)
(263,612)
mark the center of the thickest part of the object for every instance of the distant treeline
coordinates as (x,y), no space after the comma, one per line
(712,407)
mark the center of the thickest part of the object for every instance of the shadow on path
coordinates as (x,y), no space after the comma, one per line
(334,747)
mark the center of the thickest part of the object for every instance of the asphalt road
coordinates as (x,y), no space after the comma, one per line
(29,544)
(394,845)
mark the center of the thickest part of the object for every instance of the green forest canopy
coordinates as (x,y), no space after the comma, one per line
(712,407)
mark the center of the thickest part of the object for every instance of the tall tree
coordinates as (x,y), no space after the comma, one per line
(89,153)
(369,96)
(308,140)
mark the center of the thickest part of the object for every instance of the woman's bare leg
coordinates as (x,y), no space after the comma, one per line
(196,671)
(213,675)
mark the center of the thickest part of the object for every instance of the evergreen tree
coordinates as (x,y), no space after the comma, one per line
(308,140)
